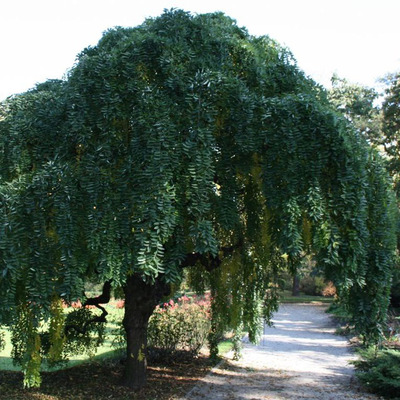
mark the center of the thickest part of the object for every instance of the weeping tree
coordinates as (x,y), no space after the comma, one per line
(184,144)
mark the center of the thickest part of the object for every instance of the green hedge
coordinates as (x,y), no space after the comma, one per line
(380,371)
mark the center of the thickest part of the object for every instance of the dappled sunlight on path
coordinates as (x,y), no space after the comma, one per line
(300,357)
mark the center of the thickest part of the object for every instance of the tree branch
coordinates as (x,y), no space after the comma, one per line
(95,301)
(103,298)
(210,262)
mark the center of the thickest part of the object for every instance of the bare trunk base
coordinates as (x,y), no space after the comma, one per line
(140,300)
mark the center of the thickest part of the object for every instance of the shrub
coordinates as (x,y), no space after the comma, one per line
(179,325)
(176,328)
(380,371)
(120,304)
(312,285)
(285,281)
(82,335)
(329,290)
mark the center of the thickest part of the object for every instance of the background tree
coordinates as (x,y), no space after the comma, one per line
(379,123)
(377,120)
(359,104)
(182,143)
(391,126)
(390,142)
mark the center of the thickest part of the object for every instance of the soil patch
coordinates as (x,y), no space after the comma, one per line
(100,381)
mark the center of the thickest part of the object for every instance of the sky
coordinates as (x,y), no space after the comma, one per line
(357,39)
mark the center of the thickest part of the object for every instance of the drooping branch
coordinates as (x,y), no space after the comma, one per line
(95,301)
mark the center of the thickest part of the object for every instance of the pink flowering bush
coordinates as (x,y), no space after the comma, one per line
(75,305)
(179,325)
(119,304)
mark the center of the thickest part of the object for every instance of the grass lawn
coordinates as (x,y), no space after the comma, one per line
(106,350)
(286,297)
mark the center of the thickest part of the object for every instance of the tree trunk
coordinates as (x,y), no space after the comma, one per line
(296,285)
(140,300)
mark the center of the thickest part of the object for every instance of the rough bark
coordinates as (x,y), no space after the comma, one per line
(140,300)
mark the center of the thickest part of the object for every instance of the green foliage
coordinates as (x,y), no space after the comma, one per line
(377,124)
(182,138)
(391,126)
(339,311)
(33,342)
(379,370)
(25,339)
(237,342)
(82,336)
(57,337)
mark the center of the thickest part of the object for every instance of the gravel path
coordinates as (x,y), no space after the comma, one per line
(298,358)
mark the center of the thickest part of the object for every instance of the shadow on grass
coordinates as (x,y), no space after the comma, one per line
(6,363)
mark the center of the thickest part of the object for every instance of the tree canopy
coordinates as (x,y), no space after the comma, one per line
(378,121)
(184,142)
(391,126)
(358,104)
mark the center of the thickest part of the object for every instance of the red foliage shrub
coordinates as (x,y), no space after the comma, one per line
(329,290)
